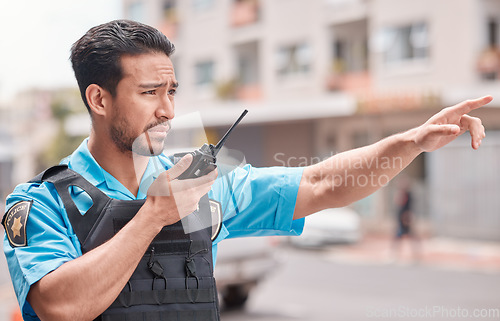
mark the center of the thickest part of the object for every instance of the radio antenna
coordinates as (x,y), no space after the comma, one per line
(223,139)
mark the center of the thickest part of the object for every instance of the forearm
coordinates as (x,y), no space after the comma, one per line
(83,288)
(350,176)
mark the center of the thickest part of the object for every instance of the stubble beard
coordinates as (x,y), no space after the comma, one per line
(121,137)
(128,142)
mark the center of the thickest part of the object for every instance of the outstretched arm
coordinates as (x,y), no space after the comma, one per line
(352,175)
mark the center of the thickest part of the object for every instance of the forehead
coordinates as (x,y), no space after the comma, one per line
(147,67)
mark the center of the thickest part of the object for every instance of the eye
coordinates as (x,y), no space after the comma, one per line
(172,92)
(150,92)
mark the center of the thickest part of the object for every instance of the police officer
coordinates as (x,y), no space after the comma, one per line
(98,237)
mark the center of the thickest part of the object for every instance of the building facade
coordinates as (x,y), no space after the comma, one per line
(323,76)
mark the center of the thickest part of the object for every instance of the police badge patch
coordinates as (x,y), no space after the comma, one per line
(14,223)
(215,210)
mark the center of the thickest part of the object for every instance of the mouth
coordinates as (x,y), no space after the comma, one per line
(155,136)
(160,130)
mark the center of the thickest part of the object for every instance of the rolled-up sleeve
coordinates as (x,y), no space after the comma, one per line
(260,201)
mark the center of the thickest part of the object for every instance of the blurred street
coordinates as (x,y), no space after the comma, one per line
(352,282)
(356,282)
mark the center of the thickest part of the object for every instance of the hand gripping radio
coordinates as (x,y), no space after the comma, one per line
(204,158)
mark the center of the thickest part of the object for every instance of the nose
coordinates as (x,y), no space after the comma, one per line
(166,108)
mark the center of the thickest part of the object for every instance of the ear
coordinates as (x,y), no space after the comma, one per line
(98,99)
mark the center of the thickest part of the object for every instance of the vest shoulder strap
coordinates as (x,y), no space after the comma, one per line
(49,173)
(63,178)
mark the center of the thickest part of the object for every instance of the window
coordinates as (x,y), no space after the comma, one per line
(178,70)
(6,168)
(248,63)
(202,5)
(405,43)
(204,73)
(493,32)
(294,59)
(169,10)
(350,55)
(489,59)
(136,11)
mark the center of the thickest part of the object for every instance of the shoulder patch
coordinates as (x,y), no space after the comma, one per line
(14,223)
(215,210)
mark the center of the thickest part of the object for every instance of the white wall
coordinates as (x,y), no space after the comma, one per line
(455,29)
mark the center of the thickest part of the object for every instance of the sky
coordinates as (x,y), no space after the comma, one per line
(36,37)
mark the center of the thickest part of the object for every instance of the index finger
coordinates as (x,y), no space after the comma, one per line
(469,105)
(200,180)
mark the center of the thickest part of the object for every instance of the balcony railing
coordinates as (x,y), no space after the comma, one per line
(380,102)
(249,92)
(170,24)
(488,64)
(244,12)
(352,82)
(233,90)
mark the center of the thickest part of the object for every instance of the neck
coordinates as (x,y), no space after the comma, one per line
(127,169)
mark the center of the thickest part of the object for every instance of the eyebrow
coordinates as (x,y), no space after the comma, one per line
(157,85)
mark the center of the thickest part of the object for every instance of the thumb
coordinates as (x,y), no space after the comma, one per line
(180,166)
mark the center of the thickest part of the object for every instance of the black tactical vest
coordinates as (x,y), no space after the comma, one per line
(174,279)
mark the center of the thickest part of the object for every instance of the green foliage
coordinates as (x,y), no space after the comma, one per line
(226,90)
(61,146)
(64,104)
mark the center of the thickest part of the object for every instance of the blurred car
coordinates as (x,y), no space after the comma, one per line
(241,264)
(330,226)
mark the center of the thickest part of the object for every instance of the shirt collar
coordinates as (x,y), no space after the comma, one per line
(82,162)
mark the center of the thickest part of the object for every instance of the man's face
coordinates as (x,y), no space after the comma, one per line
(143,104)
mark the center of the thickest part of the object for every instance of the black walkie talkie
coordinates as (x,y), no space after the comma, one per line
(204,158)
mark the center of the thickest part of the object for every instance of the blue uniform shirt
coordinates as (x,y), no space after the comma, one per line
(255,202)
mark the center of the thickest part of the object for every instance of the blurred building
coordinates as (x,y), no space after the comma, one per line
(319,77)
(323,76)
(24,129)
(30,133)
(6,155)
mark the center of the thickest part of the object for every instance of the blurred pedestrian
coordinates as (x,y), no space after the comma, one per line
(405,221)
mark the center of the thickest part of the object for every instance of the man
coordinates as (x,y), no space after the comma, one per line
(128,84)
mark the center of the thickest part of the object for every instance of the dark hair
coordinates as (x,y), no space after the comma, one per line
(96,56)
